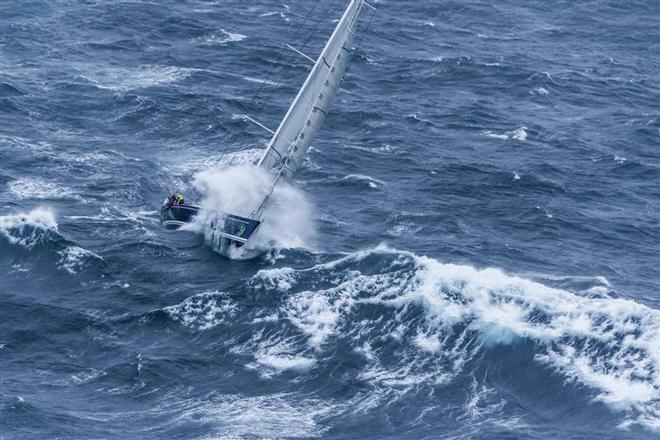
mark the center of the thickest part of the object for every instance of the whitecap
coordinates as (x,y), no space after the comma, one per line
(126,78)
(74,258)
(540,91)
(404,228)
(316,315)
(203,311)
(495,135)
(226,37)
(372,182)
(261,81)
(241,416)
(429,343)
(608,344)
(281,278)
(284,363)
(519,134)
(28,188)
(27,230)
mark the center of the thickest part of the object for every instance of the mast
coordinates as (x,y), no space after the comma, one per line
(311,105)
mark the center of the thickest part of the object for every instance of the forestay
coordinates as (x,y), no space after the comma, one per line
(310,107)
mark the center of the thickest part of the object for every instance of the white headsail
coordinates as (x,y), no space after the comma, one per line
(310,107)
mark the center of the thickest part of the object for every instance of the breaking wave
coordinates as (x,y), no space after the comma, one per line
(519,134)
(436,318)
(203,311)
(29,229)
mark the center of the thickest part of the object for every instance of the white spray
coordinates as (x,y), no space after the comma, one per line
(239,190)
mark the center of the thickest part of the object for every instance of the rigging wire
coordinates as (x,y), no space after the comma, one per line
(366,29)
(260,208)
(230,137)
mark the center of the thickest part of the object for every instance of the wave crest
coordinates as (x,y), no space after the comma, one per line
(28,229)
(437,317)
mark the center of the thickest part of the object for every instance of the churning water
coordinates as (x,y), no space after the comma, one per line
(469,251)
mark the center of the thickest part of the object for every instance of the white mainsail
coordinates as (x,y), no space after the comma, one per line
(310,107)
(290,142)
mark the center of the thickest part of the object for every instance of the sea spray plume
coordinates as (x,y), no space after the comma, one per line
(239,190)
(288,220)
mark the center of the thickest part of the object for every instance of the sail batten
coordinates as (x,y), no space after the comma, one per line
(310,107)
(293,137)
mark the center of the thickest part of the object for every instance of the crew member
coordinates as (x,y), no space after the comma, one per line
(179,199)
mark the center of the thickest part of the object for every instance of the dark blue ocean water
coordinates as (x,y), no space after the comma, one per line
(470,250)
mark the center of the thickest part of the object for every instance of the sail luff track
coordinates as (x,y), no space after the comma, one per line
(311,105)
(299,125)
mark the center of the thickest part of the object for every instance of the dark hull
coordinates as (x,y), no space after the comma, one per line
(235,229)
(175,216)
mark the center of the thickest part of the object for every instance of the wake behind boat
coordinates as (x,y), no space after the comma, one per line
(292,139)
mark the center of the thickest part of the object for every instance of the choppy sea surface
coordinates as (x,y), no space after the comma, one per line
(470,250)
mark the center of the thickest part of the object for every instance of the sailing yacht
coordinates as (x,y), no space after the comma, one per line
(294,135)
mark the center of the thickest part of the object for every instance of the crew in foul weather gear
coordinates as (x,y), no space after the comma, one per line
(179,199)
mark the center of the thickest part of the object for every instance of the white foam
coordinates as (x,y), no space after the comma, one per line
(372,182)
(519,134)
(271,416)
(203,311)
(197,162)
(315,315)
(608,344)
(281,278)
(28,229)
(28,188)
(87,376)
(74,258)
(284,363)
(226,37)
(416,118)
(482,402)
(268,318)
(124,79)
(239,190)
(261,81)
(495,135)
(428,343)
(404,228)
(40,147)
